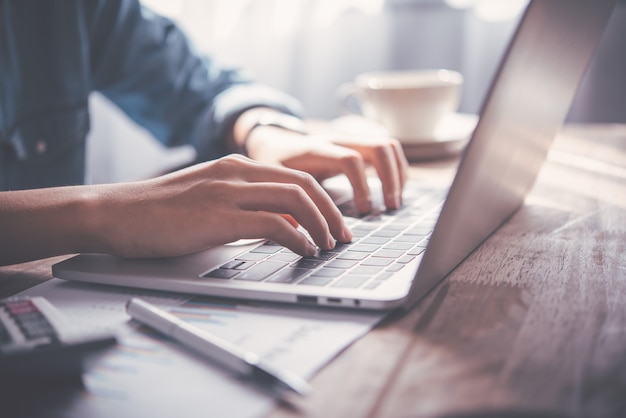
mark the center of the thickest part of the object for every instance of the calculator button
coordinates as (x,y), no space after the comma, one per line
(21,307)
(28,318)
(36,328)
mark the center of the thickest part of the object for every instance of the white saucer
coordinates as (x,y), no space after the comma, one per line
(450,137)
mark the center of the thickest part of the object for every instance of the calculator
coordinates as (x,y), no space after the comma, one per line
(38,347)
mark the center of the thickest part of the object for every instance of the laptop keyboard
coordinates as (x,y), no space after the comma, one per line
(383,243)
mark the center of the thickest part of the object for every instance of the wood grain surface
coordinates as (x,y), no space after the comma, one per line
(532,324)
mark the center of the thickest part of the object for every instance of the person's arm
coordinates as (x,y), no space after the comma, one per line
(179,213)
(146,66)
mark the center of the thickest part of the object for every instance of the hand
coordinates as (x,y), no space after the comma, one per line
(179,213)
(220,202)
(327,155)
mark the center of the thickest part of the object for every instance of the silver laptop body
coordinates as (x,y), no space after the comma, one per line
(525,107)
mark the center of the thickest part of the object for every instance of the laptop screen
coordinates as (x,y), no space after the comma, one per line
(528,101)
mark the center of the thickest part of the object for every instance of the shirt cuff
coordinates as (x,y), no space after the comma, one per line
(214,133)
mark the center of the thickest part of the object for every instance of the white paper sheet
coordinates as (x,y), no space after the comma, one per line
(147,375)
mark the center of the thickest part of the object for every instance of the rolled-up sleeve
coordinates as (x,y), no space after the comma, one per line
(145,65)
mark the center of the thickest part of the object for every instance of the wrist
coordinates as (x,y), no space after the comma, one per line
(258,118)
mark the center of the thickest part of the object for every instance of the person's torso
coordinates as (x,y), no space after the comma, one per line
(44,88)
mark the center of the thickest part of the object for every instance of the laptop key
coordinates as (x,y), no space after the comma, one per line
(371,285)
(266,249)
(405,259)
(288,257)
(377,261)
(364,248)
(316,281)
(364,227)
(341,264)
(352,255)
(395,267)
(288,275)
(398,246)
(416,251)
(360,232)
(350,281)
(306,263)
(395,227)
(232,264)
(385,233)
(366,270)
(238,265)
(388,253)
(251,256)
(221,274)
(421,231)
(327,272)
(261,271)
(407,238)
(340,247)
(383,276)
(322,255)
(374,240)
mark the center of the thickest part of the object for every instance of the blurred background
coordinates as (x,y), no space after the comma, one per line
(308,48)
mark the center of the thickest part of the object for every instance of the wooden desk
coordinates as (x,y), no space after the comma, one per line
(534,320)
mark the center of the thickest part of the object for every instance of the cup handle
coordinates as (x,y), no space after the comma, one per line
(348,99)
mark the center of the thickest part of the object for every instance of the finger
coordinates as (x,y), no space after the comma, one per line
(353,166)
(402,162)
(288,199)
(387,157)
(275,227)
(384,160)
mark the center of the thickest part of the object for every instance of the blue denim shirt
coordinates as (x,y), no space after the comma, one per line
(54,53)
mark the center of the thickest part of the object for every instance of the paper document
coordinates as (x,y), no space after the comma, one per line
(149,375)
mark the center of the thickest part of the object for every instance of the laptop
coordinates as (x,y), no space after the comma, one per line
(397,257)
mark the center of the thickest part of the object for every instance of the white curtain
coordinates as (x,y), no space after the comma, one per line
(288,44)
(310,47)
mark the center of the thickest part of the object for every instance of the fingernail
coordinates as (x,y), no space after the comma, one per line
(311,250)
(331,243)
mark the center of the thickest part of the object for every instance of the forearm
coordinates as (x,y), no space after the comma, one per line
(197,100)
(48,222)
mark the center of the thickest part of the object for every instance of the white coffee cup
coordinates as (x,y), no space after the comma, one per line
(409,104)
